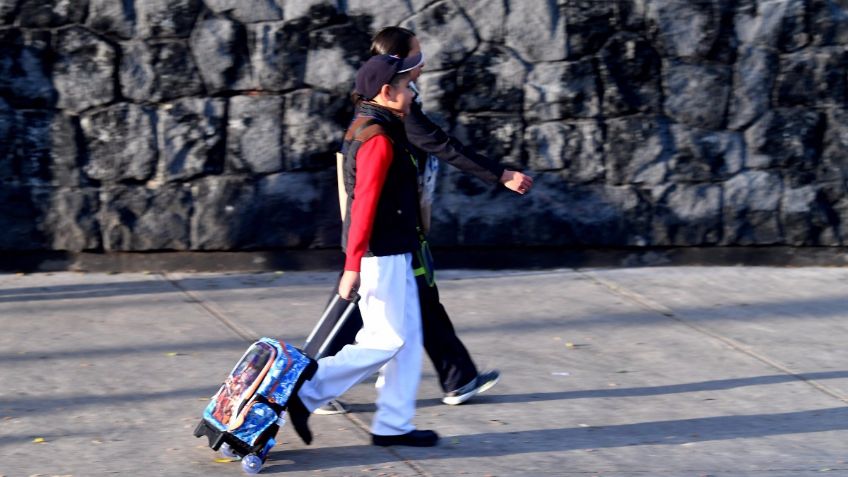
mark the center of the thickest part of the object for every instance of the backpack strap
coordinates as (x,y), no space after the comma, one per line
(369,128)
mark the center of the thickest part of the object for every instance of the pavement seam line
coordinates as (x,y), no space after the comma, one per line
(366,430)
(651,305)
(242,331)
(250,336)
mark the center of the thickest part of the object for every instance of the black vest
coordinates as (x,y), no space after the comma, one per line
(396,219)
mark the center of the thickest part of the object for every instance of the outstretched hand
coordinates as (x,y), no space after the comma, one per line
(516,181)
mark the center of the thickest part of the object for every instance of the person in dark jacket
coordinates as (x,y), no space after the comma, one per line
(458,375)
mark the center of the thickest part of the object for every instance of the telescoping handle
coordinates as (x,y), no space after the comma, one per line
(327,340)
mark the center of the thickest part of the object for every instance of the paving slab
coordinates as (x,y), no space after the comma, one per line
(663,371)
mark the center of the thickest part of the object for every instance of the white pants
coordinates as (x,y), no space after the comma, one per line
(389,341)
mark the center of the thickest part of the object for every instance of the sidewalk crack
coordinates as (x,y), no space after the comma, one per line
(242,331)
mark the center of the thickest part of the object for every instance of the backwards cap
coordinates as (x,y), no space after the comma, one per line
(380,70)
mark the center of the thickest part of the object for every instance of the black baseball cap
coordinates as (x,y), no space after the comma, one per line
(380,70)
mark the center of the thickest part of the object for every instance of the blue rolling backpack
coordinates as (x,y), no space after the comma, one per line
(244,416)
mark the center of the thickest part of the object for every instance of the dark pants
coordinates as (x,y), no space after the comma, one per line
(446,351)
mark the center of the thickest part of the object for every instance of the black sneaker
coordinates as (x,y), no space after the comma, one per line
(413,438)
(481,383)
(298,416)
(331,408)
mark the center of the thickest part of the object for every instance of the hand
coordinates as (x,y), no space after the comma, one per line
(348,283)
(516,181)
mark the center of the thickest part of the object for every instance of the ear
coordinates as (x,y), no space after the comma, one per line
(386,92)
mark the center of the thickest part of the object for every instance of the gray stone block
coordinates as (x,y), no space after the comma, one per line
(575,215)
(278,57)
(220,47)
(376,14)
(488,17)
(438,95)
(191,135)
(7,11)
(697,95)
(39,148)
(297,210)
(224,212)
(84,71)
(24,68)
(498,137)
(630,76)
(754,76)
(637,150)
(813,78)
(158,71)
(785,137)
(751,209)
(536,31)
(139,218)
(50,13)
(492,79)
(311,134)
(121,143)
(836,136)
(562,91)
(7,134)
(840,208)
(705,156)
(19,217)
(248,11)
(111,17)
(828,22)
(255,134)
(834,159)
(774,24)
(630,14)
(311,9)
(166,18)
(335,53)
(70,219)
(575,148)
(687,215)
(30,146)
(588,25)
(446,34)
(65,137)
(683,28)
(808,218)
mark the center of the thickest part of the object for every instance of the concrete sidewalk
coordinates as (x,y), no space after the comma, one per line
(688,371)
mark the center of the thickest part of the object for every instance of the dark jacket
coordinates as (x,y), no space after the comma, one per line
(425,135)
(396,219)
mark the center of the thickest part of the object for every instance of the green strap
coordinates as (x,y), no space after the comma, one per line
(419,271)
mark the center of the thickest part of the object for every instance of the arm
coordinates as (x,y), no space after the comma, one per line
(429,137)
(372,165)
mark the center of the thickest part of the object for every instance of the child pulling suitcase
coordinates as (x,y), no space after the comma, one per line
(244,416)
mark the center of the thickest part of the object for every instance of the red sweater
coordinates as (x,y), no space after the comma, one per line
(372,165)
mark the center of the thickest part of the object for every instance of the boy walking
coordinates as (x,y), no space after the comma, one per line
(379,237)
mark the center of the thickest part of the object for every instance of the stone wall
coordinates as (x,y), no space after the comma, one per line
(137,125)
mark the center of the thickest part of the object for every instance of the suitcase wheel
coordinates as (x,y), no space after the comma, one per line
(227,451)
(251,464)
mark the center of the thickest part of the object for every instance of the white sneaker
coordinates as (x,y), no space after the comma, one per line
(331,408)
(483,382)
